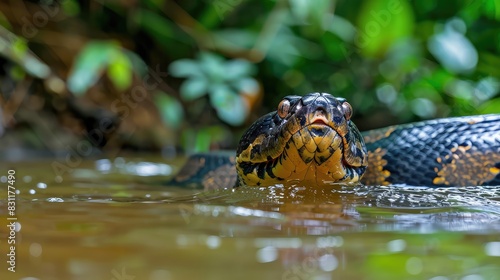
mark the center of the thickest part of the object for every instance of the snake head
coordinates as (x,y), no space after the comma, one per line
(308,139)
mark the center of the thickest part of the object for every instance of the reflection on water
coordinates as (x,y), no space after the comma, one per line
(113,219)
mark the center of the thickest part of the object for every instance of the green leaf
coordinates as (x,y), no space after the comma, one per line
(169,36)
(188,138)
(185,68)
(301,8)
(423,107)
(342,27)
(71,7)
(490,107)
(202,141)
(491,9)
(311,11)
(35,67)
(5,22)
(171,110)
(235,38)
(247,86)
(19,48)
(120,70)
(218,133)
(238,68)
(158,26)
(139,66)
(206,136)
(286,48)
(335,48)
(230,106)
(17,73)
(16,49)
(194,88)
(89,65)
(213,67)
(195,141)
(381,23)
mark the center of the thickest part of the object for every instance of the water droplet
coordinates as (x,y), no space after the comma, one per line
(54,199)
(328,262)
(414,266)
(267,254)
(213,242)
(492,249)
(35,249)
(397,245)
(182,240)
(103,165)
(58,179)
(472,277)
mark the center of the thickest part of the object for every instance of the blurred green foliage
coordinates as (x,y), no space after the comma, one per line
(95,58)
(221,80)
(395,61)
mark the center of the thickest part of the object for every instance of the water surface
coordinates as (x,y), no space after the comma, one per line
(114,219)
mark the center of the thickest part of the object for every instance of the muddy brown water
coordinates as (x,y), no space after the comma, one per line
(114,219)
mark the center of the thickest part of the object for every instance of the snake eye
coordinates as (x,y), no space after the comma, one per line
(346,107)
(283,108)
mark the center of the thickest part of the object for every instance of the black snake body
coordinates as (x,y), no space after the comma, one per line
(311,140)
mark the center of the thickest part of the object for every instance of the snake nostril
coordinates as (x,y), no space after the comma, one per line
(320,110)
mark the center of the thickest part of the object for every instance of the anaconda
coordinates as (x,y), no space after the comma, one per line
(311,141)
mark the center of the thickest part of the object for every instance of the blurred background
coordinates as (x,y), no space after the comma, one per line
(108,76)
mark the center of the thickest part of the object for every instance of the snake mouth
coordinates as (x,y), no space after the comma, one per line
(319,119)
(319,122)
(319,126)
